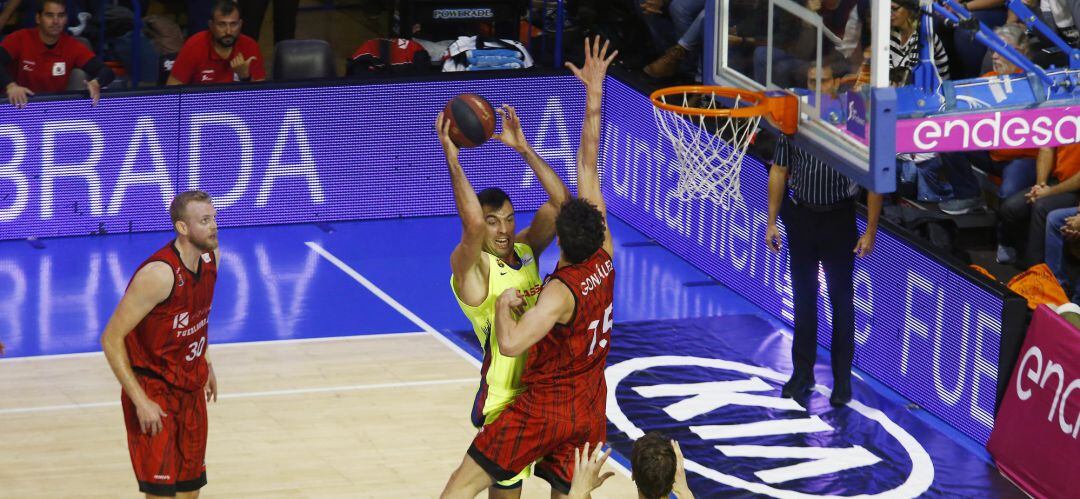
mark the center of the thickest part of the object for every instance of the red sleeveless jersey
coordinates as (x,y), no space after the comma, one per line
(565,369)
(171,340)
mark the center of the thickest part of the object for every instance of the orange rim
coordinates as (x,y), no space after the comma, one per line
(781,110)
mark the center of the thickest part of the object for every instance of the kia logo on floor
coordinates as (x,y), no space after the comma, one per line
(746,399)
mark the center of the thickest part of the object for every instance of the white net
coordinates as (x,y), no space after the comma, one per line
(709,150)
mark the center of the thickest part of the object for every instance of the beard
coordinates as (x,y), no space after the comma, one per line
(225,41)
(207,244)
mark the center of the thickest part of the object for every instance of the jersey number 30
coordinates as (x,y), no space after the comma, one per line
(196,349)
(604,334)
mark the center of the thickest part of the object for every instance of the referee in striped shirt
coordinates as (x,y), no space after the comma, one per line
(819,215)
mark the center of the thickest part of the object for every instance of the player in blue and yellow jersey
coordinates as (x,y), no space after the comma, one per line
(490,259)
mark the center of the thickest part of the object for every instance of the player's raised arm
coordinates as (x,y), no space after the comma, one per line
(150,286)
(467,253)
(592,74)
(542,230)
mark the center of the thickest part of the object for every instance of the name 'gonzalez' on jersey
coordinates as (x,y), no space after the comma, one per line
(567,365)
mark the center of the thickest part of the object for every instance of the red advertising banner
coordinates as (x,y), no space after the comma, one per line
(1034,441)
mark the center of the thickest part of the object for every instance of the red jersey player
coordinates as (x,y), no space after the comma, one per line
(155,343)
(567,335)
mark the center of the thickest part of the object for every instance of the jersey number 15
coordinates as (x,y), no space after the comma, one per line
(604,334)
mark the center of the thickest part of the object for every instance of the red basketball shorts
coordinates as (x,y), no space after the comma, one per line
(173,460)
(517,438)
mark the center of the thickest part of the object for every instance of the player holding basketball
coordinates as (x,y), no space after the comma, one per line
(155,343)
(491,258)
(566,335)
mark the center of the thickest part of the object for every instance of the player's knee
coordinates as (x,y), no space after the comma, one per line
(452,484)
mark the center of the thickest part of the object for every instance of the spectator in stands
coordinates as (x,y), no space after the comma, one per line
(1062,15)
(795,41)
(284,18)
(653,14)
(1063,226)
(936,183)
(831,72)
(9,12)
(221,54)
(967,52)
(688,17)
(1024,214)
(40,59)
(904,44)
(834,80)
(747,32)
(1015,167)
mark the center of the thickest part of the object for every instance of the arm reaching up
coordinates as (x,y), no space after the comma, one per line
(541,232)
(587,477)
(592,74)
(465,259)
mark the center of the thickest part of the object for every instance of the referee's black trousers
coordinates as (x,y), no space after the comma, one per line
(828,237)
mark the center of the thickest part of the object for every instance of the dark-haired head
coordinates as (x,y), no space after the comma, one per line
(499,220)
(652,464)
(580,227)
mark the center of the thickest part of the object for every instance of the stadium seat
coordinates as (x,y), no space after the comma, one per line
(302,59)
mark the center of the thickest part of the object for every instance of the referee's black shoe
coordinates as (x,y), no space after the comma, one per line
(841,393)
(797,386)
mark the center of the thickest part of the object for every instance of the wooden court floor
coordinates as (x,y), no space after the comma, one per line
(364,416)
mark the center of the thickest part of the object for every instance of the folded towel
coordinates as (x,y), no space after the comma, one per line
(492,61)
(494,52)
(489,68)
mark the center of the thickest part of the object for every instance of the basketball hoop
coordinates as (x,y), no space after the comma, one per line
(710,128)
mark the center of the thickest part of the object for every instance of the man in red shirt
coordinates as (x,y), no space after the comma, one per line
(40,59)
(220,54)
(155,343)
(567,335)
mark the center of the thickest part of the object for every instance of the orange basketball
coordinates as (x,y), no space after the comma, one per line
(472,120)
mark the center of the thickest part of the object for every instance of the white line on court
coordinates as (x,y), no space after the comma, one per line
(415,319)
(268,393)
(379,336)
(215,346)
(50,357)
(391,301)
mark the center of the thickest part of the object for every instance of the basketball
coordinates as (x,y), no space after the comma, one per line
(472,120)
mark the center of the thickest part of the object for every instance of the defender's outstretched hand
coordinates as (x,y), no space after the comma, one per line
(596,64)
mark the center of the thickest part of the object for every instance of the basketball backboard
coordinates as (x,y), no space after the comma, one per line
(848,119)
(835,54)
